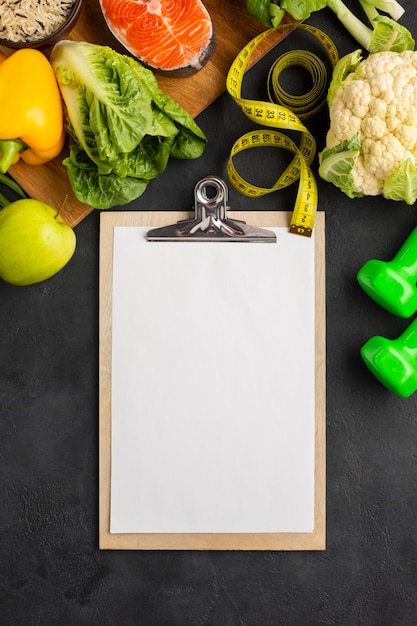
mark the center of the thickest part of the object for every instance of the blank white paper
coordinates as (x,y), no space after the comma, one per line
(212,402)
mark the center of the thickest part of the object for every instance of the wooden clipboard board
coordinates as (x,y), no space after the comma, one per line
(202,541)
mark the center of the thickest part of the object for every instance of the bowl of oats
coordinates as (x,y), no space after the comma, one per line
(37,23)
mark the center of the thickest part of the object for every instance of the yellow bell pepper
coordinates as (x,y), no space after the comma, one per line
(31,114)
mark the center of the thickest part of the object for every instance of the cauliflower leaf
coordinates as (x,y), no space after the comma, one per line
(402,184)
(346,65)
(389,35)
(336,165)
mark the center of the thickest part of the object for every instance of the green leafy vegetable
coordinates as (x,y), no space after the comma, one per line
(336,165)
(268,12)
(122,128)
(402,184)
(101,191)
(345,66)
(388,35)
(383,33)
(302,9)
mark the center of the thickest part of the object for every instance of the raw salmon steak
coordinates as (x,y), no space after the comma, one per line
(168,36)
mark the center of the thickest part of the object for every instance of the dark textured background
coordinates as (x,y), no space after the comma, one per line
(51,572)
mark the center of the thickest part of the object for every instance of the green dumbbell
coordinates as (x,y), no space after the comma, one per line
(394,361)
(393,284)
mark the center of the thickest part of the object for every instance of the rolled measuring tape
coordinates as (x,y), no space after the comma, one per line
(284,111)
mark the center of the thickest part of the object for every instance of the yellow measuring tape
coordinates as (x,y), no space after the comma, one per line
(284,111)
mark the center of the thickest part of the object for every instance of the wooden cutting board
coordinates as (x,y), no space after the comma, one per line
(234,29)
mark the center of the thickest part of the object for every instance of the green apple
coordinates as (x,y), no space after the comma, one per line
(35,243)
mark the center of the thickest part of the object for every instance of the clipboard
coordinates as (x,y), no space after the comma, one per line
(314,540)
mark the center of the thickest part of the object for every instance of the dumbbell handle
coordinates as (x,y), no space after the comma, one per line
(406,257)
(394,361)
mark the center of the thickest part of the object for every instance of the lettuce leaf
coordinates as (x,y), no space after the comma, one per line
(122,128)
(267,12)
(302,9)
(101,191)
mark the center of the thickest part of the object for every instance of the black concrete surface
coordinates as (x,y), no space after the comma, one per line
(51,571)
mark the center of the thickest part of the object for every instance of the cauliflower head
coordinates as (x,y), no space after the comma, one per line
(371,145)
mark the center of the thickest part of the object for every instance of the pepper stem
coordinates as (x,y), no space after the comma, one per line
(9,148)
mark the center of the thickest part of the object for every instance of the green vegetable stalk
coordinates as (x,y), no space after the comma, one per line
(391,7)
(383,33)
(122,128)
(7,181)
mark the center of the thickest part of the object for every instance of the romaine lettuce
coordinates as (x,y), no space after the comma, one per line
(122,128)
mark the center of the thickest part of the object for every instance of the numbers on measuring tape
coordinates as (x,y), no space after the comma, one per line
(284,112)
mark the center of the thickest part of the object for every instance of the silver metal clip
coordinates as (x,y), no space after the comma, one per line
(211,222)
